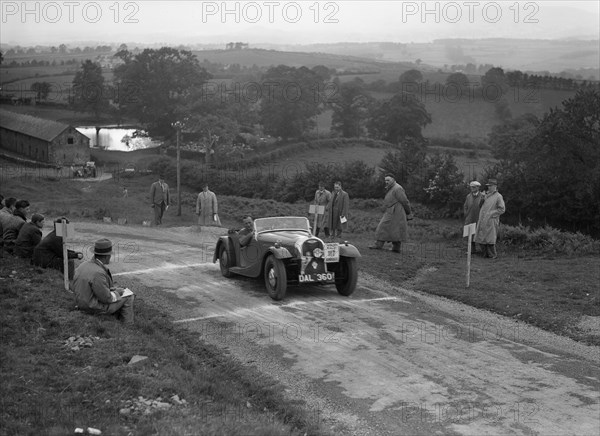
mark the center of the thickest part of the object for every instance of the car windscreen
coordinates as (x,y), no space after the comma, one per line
(281,223)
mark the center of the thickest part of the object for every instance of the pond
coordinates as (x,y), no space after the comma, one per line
(113,138)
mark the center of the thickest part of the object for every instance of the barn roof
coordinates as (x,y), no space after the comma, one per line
(40,128)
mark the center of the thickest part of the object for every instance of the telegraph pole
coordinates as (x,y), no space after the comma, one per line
(177,126)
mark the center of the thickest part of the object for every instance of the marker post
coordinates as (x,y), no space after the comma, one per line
(317,210)
(65,230)
(468,231)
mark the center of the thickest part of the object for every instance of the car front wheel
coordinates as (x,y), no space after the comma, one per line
(346,276)
(225,261)
(275,278)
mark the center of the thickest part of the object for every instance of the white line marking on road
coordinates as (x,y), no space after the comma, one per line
(294,304)
(160,268)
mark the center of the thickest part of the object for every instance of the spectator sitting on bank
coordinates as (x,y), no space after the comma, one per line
(21,209)
(94,289)
(8,206)
(11,224)
(49,252)
(30,235)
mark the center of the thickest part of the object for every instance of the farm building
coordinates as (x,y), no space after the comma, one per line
(43,140)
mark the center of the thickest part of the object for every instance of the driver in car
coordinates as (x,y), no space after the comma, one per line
(247,232)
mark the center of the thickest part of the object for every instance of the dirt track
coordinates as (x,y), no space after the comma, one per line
(384,361)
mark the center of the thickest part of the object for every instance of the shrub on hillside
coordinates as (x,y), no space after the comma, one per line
(548,239)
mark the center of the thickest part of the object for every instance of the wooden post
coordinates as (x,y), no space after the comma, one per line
(65,254)
(178,172)
(469,231)
(469,260)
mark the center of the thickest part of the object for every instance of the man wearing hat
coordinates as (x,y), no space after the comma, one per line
(472,206)
(393,226)
(94,289)
(489,220)
(29,236)
(160,198)
(49,252)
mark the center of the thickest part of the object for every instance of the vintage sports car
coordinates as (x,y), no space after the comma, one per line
(283,250)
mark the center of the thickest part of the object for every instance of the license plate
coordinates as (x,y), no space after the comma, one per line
(318,277)
(332,252)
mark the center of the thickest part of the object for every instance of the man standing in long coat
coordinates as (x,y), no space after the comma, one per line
(393,226)
(207,208)
(322,198)
(337,211)
(472,206)
(160,198)
(489,220)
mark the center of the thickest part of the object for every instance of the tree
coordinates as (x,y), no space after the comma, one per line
(154,84)
(556,173)
(458,79)
(398,118)
(563,165)
(42,89)
(350,110)
(510,141)
(215,133)
(291,99)
(494,84)
(411,76)
(407,163)
(444,184)
(88,88)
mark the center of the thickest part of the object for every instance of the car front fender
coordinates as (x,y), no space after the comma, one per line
(280,253)
(223,240)
(349,251)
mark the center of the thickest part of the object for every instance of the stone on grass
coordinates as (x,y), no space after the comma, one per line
(136,359)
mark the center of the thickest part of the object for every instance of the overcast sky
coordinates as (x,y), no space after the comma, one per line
(288,22)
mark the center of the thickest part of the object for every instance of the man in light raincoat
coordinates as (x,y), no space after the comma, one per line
(322,198)
(207,208)
(489,220)
(393,226)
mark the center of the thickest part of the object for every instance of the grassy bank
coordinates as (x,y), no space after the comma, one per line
(62,369)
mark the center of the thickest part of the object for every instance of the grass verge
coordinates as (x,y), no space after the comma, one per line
(62,369)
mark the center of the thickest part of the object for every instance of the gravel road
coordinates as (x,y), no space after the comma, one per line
(385,361)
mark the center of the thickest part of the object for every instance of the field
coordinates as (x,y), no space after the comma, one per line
(466,118)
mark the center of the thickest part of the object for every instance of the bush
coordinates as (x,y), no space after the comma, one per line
(547,239)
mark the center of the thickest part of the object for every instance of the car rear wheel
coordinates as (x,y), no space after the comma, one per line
(346,276)
(275,278)
(225,261)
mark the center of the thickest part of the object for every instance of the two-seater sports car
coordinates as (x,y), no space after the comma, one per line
(283,250)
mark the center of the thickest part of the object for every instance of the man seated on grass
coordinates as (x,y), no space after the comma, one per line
(49,252)
(94,288)
(11,225)
(29,236)
(6,214)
